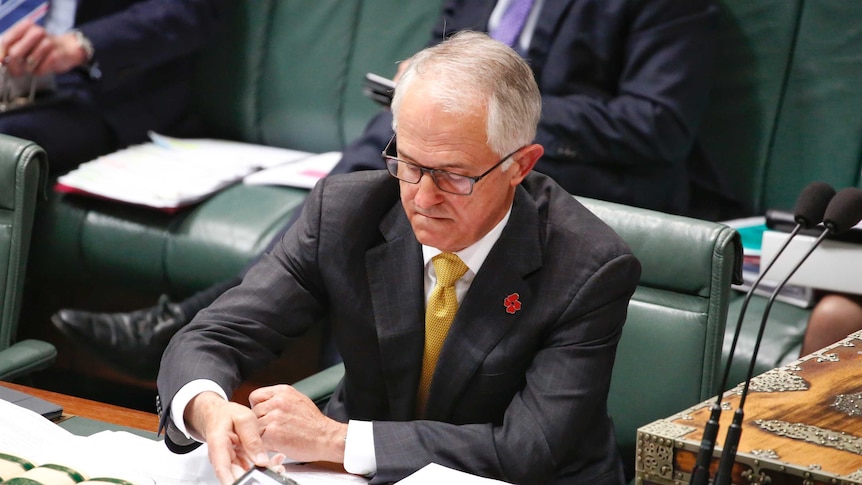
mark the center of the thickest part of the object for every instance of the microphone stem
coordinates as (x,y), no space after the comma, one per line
(731,441)
(744,307)
(768,307)
(700,473)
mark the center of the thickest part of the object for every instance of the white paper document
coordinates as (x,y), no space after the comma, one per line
(169,173)
(141,461)
(435,474)
(115,454)
(302,173)
(119,454)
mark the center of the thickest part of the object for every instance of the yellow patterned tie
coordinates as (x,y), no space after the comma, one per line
(441,309)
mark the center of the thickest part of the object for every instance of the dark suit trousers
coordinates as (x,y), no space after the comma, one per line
(70,131)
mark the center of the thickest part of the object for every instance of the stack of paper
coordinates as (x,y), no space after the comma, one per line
(25,435)
(302,173)
(170,173)
(116,454)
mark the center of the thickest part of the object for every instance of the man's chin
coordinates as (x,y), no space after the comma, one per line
(432,231)
(435,239)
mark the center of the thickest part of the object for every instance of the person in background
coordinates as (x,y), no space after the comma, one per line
(835,316)
(624,84)
(477,305)
(119,68)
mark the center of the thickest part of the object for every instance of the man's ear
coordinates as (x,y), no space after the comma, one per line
(525,159)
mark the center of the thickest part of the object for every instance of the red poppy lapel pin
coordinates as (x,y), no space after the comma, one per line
(512,303)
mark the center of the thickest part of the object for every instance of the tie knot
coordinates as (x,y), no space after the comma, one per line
(449,268)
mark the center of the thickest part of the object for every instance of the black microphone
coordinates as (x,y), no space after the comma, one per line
(810,207)
(843,212)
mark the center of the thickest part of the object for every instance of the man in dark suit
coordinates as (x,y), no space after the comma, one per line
(520,386)
(624,85)
(122,67)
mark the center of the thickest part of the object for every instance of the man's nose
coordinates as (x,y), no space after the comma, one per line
(427,192)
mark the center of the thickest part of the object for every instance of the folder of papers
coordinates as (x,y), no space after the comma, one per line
(171,173)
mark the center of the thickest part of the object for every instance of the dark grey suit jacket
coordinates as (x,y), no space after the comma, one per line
(518,396)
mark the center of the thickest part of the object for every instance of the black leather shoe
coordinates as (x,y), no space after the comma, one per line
(131,342)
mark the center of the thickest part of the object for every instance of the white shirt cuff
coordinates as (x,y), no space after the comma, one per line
(186,394)
(359,456)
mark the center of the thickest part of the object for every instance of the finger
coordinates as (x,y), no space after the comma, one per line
(37,60)
(13,35)
(237,471)
(246,461)
(260,395)
(276,460)
(222,459)
(246,436)
(251,445)
(19,51)
(226,474)
(46,66)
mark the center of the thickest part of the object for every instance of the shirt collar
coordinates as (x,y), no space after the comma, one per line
(474,255)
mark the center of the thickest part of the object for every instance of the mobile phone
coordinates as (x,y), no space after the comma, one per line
(378,88)
(264,476)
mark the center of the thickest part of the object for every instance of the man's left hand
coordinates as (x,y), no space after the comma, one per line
(291,423)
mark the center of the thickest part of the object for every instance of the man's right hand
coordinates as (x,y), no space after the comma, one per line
(231,433)
(26,48)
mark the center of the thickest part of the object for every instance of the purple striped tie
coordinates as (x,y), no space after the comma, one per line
(512,21)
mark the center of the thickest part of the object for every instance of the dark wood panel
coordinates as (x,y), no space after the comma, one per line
(76,406)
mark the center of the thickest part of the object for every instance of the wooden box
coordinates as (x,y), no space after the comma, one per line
(803,425)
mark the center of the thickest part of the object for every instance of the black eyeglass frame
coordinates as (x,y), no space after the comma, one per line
(434,171)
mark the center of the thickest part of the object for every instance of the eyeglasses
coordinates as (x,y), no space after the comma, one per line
(446,181)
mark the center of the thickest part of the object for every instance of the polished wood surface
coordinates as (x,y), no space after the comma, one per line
(830,373)
(86,408)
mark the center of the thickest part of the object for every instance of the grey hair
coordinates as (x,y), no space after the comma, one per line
(469,71)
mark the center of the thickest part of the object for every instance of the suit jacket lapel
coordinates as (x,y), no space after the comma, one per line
(482,319)
(396,280)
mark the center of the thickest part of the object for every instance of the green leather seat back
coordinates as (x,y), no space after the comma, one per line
(669,354)
(303,99)
(819,132)
(22,165)
(22,170)
(406,28)
(755,47)
(226,92)
(256,83)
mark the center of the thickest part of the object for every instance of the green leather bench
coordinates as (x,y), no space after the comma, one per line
(22,171)
(786,111)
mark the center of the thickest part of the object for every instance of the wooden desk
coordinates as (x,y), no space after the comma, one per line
(802,425)
(85,408)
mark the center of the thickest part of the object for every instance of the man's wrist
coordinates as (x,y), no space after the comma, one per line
(182,399)
(84,44)
(199,411)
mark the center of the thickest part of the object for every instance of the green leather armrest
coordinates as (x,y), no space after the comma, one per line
(24,357)
(320,386)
